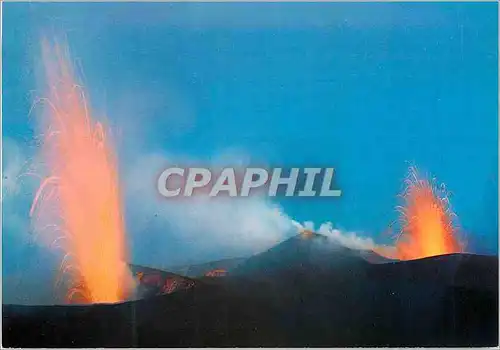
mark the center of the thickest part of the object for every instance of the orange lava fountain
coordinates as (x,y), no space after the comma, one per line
(81,190)
(427,223)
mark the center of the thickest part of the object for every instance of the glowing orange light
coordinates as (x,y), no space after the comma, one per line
(427,223)
(84,191)
(216,273)
(306,232)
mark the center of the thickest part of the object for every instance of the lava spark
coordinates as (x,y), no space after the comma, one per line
(427,227)
(80,197)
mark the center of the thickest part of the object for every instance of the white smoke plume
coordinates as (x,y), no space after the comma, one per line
(202,228)
(350,240)
(197,228)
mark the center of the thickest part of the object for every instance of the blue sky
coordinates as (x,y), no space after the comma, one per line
(365,88)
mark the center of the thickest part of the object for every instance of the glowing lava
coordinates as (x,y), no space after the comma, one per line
(427,225)
(80,198)
(216,273)
(306,233)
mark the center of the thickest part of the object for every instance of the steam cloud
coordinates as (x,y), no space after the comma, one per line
(350,240)
(206,226)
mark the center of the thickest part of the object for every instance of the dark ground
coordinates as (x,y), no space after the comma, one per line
(305,292)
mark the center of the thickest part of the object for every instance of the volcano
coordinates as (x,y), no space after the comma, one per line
(308,253)
(308,291)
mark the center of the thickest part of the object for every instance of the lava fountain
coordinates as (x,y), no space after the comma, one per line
(427,227)
(79,200)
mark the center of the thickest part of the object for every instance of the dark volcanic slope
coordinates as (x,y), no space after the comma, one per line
(305,252)
(199,270)
(200,316)
(303,292)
